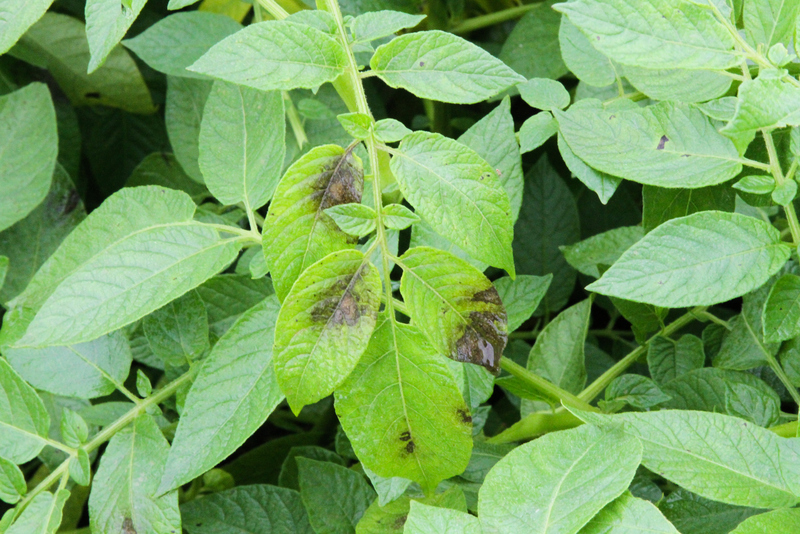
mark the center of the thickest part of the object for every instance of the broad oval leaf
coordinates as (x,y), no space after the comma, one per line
(455,305)
(324,326)
(585,62)
(558,482)
(601,183)
(778,521)
(242,144)
(680,85)
(403,394)
(769,101)
(275,55)
(106,24)
(24,422)
(12,482)
(441,66)
(458,194)
(297,231)
(376,24)
(782,311)
(668,144)
(424,519)
(17,17)
(703,259)
(28,150)
(231,397)
(629,515)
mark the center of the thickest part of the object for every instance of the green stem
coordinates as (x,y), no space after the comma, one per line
(714,319)
(274,9)
(537,424)
(545,387)
(295,121)
(476,23)
(777,173)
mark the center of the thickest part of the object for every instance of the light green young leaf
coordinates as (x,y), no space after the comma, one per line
(662,204)
(183,115)
(59,42)
(629,515)
(698,270)
(17,17)
(585,62)
(178,332)
(455,305)
(42,515)
(601,183)
(680,85)
(458,194)
(275,55)
(667,145)
(353,219)
(784,193)
(668,359)
(74,430)
(334,496)
(768,22)
(246,508)
(493,139)
(521,296)
(766,102)
(80,468)
(231,397)
(177,41)
(588,256)
(162,169)
(324,326)
(28,151)
(536,130)
(398,217)
(85,370)
(376,24)
(357,125)
(12,482)
(124,490)
(716,456)
(403,392)
(107,21)
(656,34)
(756,184)
(23,418)
(558,482)
(532,48)
(721,109)
(298,232)
(543,93)
(781,318)
(390,130)
(425,519)
(778,521)
(441,66)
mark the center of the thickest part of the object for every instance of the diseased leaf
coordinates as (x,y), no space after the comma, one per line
(766,102)
(441,66)
(590,255)
(335,497)
(668,359)
(521,296)
(23,418)
(297,231)
(585,62)
(106,24)
(324,326)
(16,18)
(714,257)
(629,515)
(532,48)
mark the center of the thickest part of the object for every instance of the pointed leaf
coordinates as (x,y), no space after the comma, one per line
(662,204)
(629,515)
(782,310)
(23,419)
(536,130)
(183,114)
(521,296)
(766,102)
(42,515)
(601,183)
(335,497)
(12,482)
(178,332)
(16,18)
(106,24)
(376,24)
(668,359)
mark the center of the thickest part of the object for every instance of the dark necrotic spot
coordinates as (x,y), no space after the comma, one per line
(400,522)
(342,182)
(421,63)
(405,436)
(465,417)
(92,94)
(662,142)
(410,447)
(127,526)
(71,202)
(490,296)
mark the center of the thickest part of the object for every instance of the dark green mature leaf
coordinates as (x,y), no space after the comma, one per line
(124,491)
(16,18)
(177,41)
(23,418)
(28,148)
(629,515)
(392,517)
(183,115)
(698,269)
(484,456)
(403,392)
(656,34)
(275,55)
(769,101)
(298,232)
(178,332)
(288,477)
(227,296)
(162,169)
(662,204)
(335,497)
(590,256)
(668,359)
(458,194)
(532,48)
(12,482)
(770,22)
(667,145)
(693,514)
(782,311)
(254,509)
(42,515)
(744,346)
(558,482)
(635,390)
(785,520)
(521,296)
(325,325)
(455,305)
(441,66)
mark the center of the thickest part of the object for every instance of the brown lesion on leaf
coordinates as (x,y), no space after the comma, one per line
(347,301)
(400,522)
(662,142)
(127,527)
(410,447)
(405,436)
(485,336)
(340,182)
(464,416)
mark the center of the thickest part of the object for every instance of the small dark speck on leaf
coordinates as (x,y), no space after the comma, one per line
(71,202)
(421,63)
(127,526)
(465,417)
(92,94)
(405,436)
(684,155)
(662,142)
(410,447)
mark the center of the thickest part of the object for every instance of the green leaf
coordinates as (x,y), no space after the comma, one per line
(398,217)
(521,296)
(785,193)
(441,66)
(744,347)
(74,430)
(175,42)
(558,482)
(357,125)
(699,269)
(425,519)
(680,85)
(80,468)
(106,24)
(662,204)
(756,184)
(390,130)
(124,490)
(493,139)
(766,102)
(59,42)
(422,235)
(29,146)
(536,130)
(324,326)
(376,24)
(585,62)
(316,18)
(298,232)
(162,169)
(85,370)
(275,55)
(458,194)
(782,312)
(656,34)
(455,305)
(186,99)
(635,390)
(719,457)
(178,332)
(288,477)
(484,457)
(786,520)
(42,515)
(256,509)
(668,359)
(353,219)
(601,183)
(543,93)
(629,515)
(692,514)
(12,482)
(227,296)
(17,18)
(590,255)
(242,144)
(335,497)
(532,47)
(403,392)
(392,517)
(23,418)
(768,22)
(667,144)
(230,399)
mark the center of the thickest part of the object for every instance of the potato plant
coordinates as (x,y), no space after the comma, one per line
(443,267)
